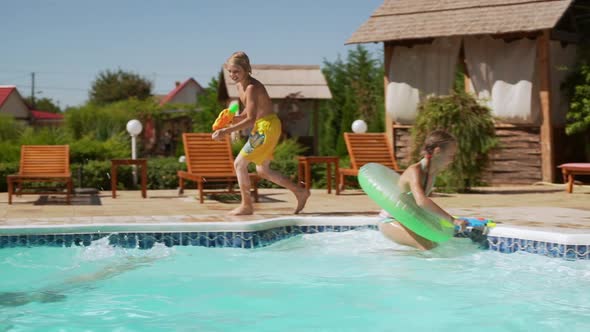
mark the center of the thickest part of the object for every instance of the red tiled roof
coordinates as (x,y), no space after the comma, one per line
(42,115)
(173,93)
(5,91)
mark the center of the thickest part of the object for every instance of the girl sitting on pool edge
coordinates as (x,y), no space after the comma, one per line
(439,151)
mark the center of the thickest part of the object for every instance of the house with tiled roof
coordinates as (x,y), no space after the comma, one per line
(12,103)
(170,128)
(43,118)
(184,93)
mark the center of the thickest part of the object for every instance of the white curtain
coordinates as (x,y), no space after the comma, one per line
(562,59)
(502,76)
(417,72)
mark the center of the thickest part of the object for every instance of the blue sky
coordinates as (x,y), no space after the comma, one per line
(67,43)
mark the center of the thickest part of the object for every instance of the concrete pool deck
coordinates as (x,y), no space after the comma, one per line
(543,206)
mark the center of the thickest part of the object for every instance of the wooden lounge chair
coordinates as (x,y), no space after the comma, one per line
(42,163)
(366,148)
(210,162)
(569,170)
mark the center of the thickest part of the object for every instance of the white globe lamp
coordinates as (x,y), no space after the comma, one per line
(359,126)
(134,127)
(181,159)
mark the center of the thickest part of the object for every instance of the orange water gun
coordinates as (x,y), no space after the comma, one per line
(226,116)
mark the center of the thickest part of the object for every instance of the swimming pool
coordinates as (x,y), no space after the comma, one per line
(348,281)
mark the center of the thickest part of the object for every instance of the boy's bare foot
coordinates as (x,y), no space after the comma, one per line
(241,210)
(302,195)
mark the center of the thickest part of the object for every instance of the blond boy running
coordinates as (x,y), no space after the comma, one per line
(266,130)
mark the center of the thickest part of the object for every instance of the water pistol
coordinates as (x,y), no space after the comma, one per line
(477,223)
(226,116)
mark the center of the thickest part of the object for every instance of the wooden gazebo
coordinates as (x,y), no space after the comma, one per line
(512,53)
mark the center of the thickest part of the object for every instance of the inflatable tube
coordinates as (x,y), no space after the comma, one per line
(380,184)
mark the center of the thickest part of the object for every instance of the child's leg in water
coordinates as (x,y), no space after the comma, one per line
(53,293)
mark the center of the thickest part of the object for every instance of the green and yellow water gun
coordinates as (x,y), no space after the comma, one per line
(226,116)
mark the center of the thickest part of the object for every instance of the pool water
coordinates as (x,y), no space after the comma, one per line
(351,281)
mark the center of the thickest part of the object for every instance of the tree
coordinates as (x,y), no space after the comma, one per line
(357,93)
(577,89)
(43,104)
(112,86)
(208,106)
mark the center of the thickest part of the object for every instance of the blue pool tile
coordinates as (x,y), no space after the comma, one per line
(36,240)
(237,240)
(505,245)
(185,239)
(23,241)
(192,239)
(86,239)
(582,251)
(114,239)
(158,237)
(59,240)
(553,250)
(200,239)
(49,239)
(176,238)
(68,240)
(255,240)
(222,240)
(145,240)
(211,239)
(166,239)
(570,252)
(125,240)
(263,238)
(247,240)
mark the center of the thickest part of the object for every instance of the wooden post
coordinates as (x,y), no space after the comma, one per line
(388,52)
(463,64)
(543,63)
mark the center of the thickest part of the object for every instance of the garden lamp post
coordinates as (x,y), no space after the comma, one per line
(134,127)
(359,126)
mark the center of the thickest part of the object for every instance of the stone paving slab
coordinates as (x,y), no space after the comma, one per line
(534,206)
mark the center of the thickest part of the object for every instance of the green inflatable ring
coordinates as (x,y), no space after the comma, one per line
(380,184)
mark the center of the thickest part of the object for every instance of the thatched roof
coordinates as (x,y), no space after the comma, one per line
(307,82)
(415,19)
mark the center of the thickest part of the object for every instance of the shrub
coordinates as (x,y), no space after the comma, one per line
(577,88)
(9,128)
(471,123)
(87,148)
(9,151)
(95,174)
(7,168)
(285,161)
(103,122)
(162,173)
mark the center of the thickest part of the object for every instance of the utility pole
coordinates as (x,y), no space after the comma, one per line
(33,90)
